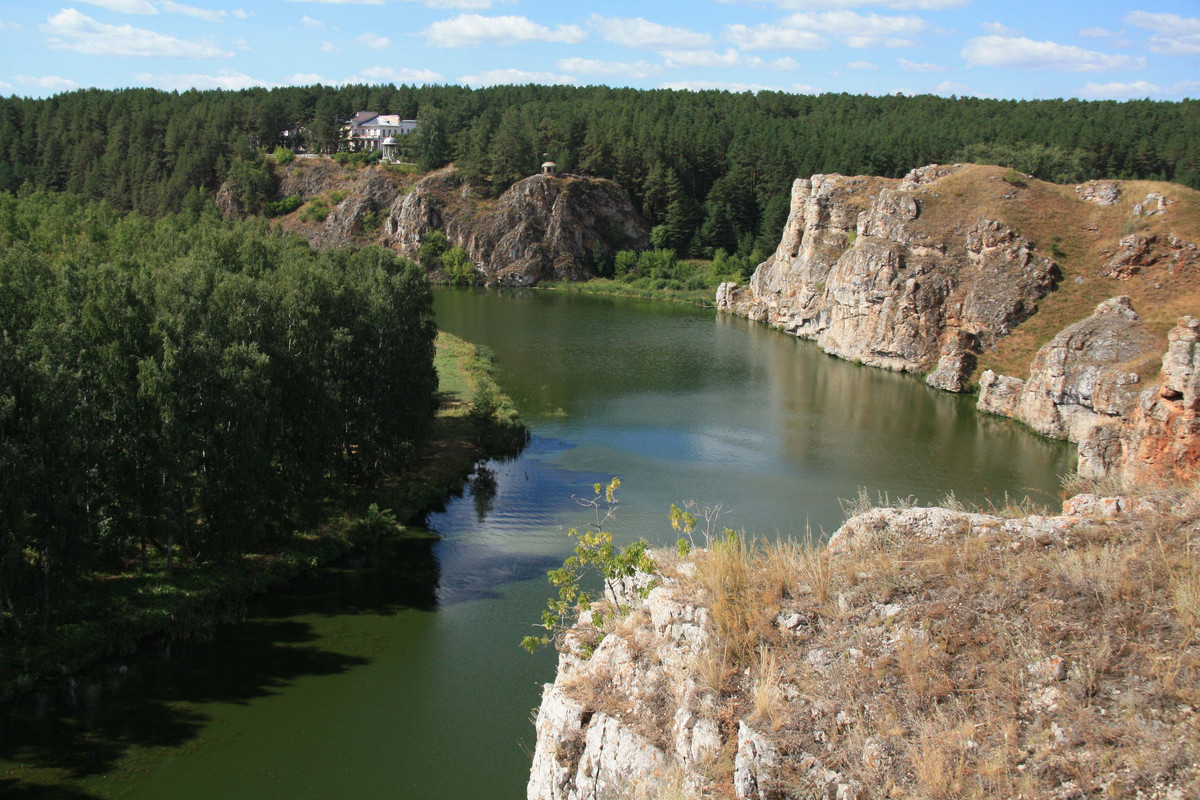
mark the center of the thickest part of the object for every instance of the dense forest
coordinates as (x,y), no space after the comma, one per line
(713,167)
(188,387)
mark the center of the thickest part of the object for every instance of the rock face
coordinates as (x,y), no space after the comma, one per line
(1162,437)
(542,228)
(1080,388)
(859,271)
(634,717)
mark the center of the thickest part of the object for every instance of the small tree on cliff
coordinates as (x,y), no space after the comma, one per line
(596,554)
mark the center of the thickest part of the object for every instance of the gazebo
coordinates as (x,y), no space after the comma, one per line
(550,168)
(391,149)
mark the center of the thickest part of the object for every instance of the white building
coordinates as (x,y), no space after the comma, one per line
(366,130)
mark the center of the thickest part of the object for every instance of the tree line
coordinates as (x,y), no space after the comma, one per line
(713,166)
(187,387)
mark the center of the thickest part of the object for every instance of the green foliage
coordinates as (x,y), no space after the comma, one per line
(316,210)
(1014,178)
(460,270)
(712,166)
(596,554)
(189,387)
(370,528)
(284,156)
(1047,162)
(433,245)
(372,218)
(286,205)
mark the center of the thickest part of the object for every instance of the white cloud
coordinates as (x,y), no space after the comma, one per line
(315,24)
(912,66)
(6,87)
(51,83)
(393,75)
(225,79)
(125,6)
(306,79)
(373,41)
(906,5)
(241,13)
(4,24)
(643,34)
(1097,33)
(470,30)
(731,86)
(730,58)
(461,5)
(1173,35)
(1138,89)
(861,65)
(810,31)
(241,44)
(950,87)
(997,29)
(774,37)
(208,15)
(497,77)
(726,86)
(609,69)
(1021,53)
(70,30)
(330,47)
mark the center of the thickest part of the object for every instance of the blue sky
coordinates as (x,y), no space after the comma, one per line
(1019,49)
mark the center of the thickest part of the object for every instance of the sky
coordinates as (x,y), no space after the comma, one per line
(1020,49)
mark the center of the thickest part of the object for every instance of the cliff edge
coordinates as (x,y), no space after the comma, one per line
(928,652)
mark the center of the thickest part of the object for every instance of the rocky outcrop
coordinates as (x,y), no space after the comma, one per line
(543,228)
(1081,388)
(1162,437)
(1135,252)
(636,716)
(860,272)
(918,636)
(1100,193)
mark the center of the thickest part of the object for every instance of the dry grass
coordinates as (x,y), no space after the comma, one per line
(1080,238)
(947,697)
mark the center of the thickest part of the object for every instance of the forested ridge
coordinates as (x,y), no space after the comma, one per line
(712,166)
(188,388)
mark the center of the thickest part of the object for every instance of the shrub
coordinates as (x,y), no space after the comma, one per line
(284,156)
(316,210)
(286,205)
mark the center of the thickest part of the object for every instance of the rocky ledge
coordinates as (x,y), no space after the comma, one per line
(928,652)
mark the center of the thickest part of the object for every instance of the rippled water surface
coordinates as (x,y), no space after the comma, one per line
(404,679)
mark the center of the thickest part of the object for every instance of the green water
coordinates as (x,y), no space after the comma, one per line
(402,679)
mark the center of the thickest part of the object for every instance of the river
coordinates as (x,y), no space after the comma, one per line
(403,679)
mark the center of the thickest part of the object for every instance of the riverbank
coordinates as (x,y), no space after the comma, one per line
(644,289)
(113,613)
(927,652)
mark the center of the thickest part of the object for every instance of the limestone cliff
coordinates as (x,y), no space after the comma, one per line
(938,272)
(927,652)
(868,273)
(1082,386)
(543,228)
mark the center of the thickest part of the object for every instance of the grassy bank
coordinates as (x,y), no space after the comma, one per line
(644,290)
(110,614)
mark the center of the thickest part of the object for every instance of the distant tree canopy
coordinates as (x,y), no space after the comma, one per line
(189,385)
(714,167)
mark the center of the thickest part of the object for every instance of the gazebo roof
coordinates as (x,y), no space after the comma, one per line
(390,140)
